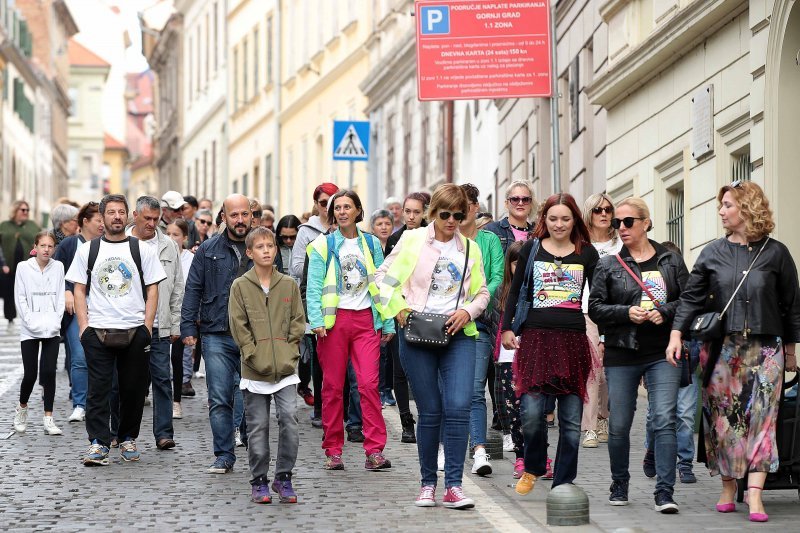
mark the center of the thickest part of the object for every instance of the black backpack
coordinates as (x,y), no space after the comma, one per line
(94,250)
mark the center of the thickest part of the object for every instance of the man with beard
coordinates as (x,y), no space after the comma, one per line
(216,264)
(116,296)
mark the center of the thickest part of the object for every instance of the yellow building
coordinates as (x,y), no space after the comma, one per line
(115,160)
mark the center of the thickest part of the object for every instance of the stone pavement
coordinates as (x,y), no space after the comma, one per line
(44,486)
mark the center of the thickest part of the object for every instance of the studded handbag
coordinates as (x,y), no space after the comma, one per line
(430,329)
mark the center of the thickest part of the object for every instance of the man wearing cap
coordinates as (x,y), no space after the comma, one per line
(171,209)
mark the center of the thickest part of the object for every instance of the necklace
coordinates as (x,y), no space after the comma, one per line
(518,228)
(642,256)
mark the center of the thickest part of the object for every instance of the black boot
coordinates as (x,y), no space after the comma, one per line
(407,420)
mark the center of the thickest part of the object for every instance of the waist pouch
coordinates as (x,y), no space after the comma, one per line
(116,338)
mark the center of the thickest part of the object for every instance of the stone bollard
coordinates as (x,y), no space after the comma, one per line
(567,505)
(494,444)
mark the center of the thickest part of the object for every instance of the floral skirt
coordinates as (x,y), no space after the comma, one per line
(552,362)
(740,406)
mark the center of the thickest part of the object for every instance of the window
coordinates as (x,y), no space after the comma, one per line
(190,60)
(675,217)
(235,187)
(244,71)
(205,174)
(407,127)
(574,96)
(256,179)
(74,95)
(269,49)
(390,155)
(72,163)
(208,44)
(198,58)
(188,178)
(196,176)
(216,36)
(304,166)
(255,61)
(235,80)
(213,168)
(741,169)
(268,178)
(245,184)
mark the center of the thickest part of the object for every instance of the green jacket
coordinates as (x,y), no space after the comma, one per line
(493,262)
(10,233)
(267,329)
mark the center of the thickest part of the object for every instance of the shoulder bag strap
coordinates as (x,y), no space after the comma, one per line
(638,281)
(746,272)
(463,276)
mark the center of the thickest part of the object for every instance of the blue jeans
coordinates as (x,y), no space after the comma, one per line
(477,417)
(160,367)
(663,381)
(455,364)
(223,369)
(354,420)
(188,363)
(77,367)
(533,408)
(686,413)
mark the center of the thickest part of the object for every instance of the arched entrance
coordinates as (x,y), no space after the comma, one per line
(782,120)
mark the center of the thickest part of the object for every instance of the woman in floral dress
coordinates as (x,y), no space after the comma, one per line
(743,372)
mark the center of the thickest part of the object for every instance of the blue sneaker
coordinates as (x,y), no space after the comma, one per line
(260,492)
(220,466)
(389,398)
(97,456)
(286,493)
(128,451)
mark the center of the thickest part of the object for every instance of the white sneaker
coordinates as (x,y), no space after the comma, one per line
(78,415)
(21,419)
(508,443)
(50,427)
(199,374)
(590,439)
(177,412)
(440,459)
(602,429)
(480,463)
(238,436)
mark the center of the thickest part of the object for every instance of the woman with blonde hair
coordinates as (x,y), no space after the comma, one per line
(754,279)
(521,206)
(598,210)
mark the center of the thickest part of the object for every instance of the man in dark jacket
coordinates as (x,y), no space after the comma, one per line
(217,262)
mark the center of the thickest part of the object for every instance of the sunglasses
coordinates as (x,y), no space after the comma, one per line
(524,200)
(256,214)
(606,210)
(737,184)
(445,215)
(559,261)
(289,237)
(323,203)
(24,210)
(616,223)
(204,222)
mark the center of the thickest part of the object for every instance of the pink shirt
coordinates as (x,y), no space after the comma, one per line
(519,235)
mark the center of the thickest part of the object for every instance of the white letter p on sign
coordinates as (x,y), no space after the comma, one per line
(434,17)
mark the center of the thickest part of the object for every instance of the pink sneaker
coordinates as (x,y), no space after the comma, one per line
(454,499)
(549,470)
(427,496)
(519,468)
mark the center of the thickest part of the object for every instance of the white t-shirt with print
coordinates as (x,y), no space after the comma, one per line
(354,285)
(115,297)
(446,278)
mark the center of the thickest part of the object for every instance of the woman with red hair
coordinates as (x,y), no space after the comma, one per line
(553,358)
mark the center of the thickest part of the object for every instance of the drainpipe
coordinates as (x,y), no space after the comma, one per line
(449,141)
(277,87)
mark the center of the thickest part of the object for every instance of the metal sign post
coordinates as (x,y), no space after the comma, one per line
(554,101)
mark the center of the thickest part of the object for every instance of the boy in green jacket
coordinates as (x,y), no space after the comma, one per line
(267,322)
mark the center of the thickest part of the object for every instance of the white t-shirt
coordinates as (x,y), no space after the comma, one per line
(506,356)
(354,284)
(186,262)
(603,249)
(446,278)
(115,297)
(149,243)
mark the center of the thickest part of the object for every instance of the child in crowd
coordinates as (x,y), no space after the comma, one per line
(39,296)
(267,322)
(180,355)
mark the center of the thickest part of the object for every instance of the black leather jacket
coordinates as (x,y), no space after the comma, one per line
(614,292)
(767,304)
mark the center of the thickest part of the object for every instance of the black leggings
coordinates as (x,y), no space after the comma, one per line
(176,356)
(46,366)
(399,375)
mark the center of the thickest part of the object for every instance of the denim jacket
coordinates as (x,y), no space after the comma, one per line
(208,287)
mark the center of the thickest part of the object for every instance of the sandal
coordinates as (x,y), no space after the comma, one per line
(729,507)
(758,517)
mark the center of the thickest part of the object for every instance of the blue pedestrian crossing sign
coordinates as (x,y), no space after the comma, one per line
(350,140)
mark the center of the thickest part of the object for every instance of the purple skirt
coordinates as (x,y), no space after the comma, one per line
(552,361)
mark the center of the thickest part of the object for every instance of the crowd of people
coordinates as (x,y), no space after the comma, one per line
(560,310)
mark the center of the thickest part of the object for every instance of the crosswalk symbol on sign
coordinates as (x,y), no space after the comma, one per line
(349,143)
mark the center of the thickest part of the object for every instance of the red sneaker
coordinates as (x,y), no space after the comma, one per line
(454,499)
(549,470)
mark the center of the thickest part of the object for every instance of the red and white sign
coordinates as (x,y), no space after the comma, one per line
(473,49)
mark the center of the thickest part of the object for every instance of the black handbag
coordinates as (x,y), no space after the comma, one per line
(708,326)
(430,329)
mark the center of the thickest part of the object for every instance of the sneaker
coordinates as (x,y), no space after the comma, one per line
(454,499)
(128,451)
(508,443)
(316,421)
(602,429)
(114,442)
(590,439)
(177,412)
(389,398)
(259,493)
(220,466)
(519,468)
(686,475)
(97,455)
(649,463)
(21,419)
(187,390)
(619,493)
(548,473)
(286,493)
(165,444)
(237,436)
(334,462)
(307,395)
(427,496)
(480,463)
(440,459)
(147,401)
(376,461)
(551,423)
(78,415)
(355,435)
(664,503)
(199,375)
(50,427)
(525,483)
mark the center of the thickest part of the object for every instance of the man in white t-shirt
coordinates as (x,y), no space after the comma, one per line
(115,320)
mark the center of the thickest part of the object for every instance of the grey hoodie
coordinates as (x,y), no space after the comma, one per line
(305,234)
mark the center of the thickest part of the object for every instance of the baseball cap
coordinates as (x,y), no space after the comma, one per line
(173,200)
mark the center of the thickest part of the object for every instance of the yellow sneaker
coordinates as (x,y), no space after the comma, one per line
(525,484)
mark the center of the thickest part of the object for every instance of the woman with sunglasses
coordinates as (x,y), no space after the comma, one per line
(552,358)
(520,203)
(286,235)
(203,221)
(16,238)
(743,370)
(598,210)
(633,301)
(426,273)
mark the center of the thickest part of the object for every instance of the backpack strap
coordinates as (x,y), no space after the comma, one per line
(94,250)
(136,254)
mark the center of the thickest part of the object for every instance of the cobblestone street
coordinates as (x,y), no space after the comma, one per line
(45,486)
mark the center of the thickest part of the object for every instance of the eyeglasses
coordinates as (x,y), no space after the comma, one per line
(524,200)
(445,215)
(628,221)
(203,222)
(559,261)
(323,203)
(256,214)
(606,210)
(24,209)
